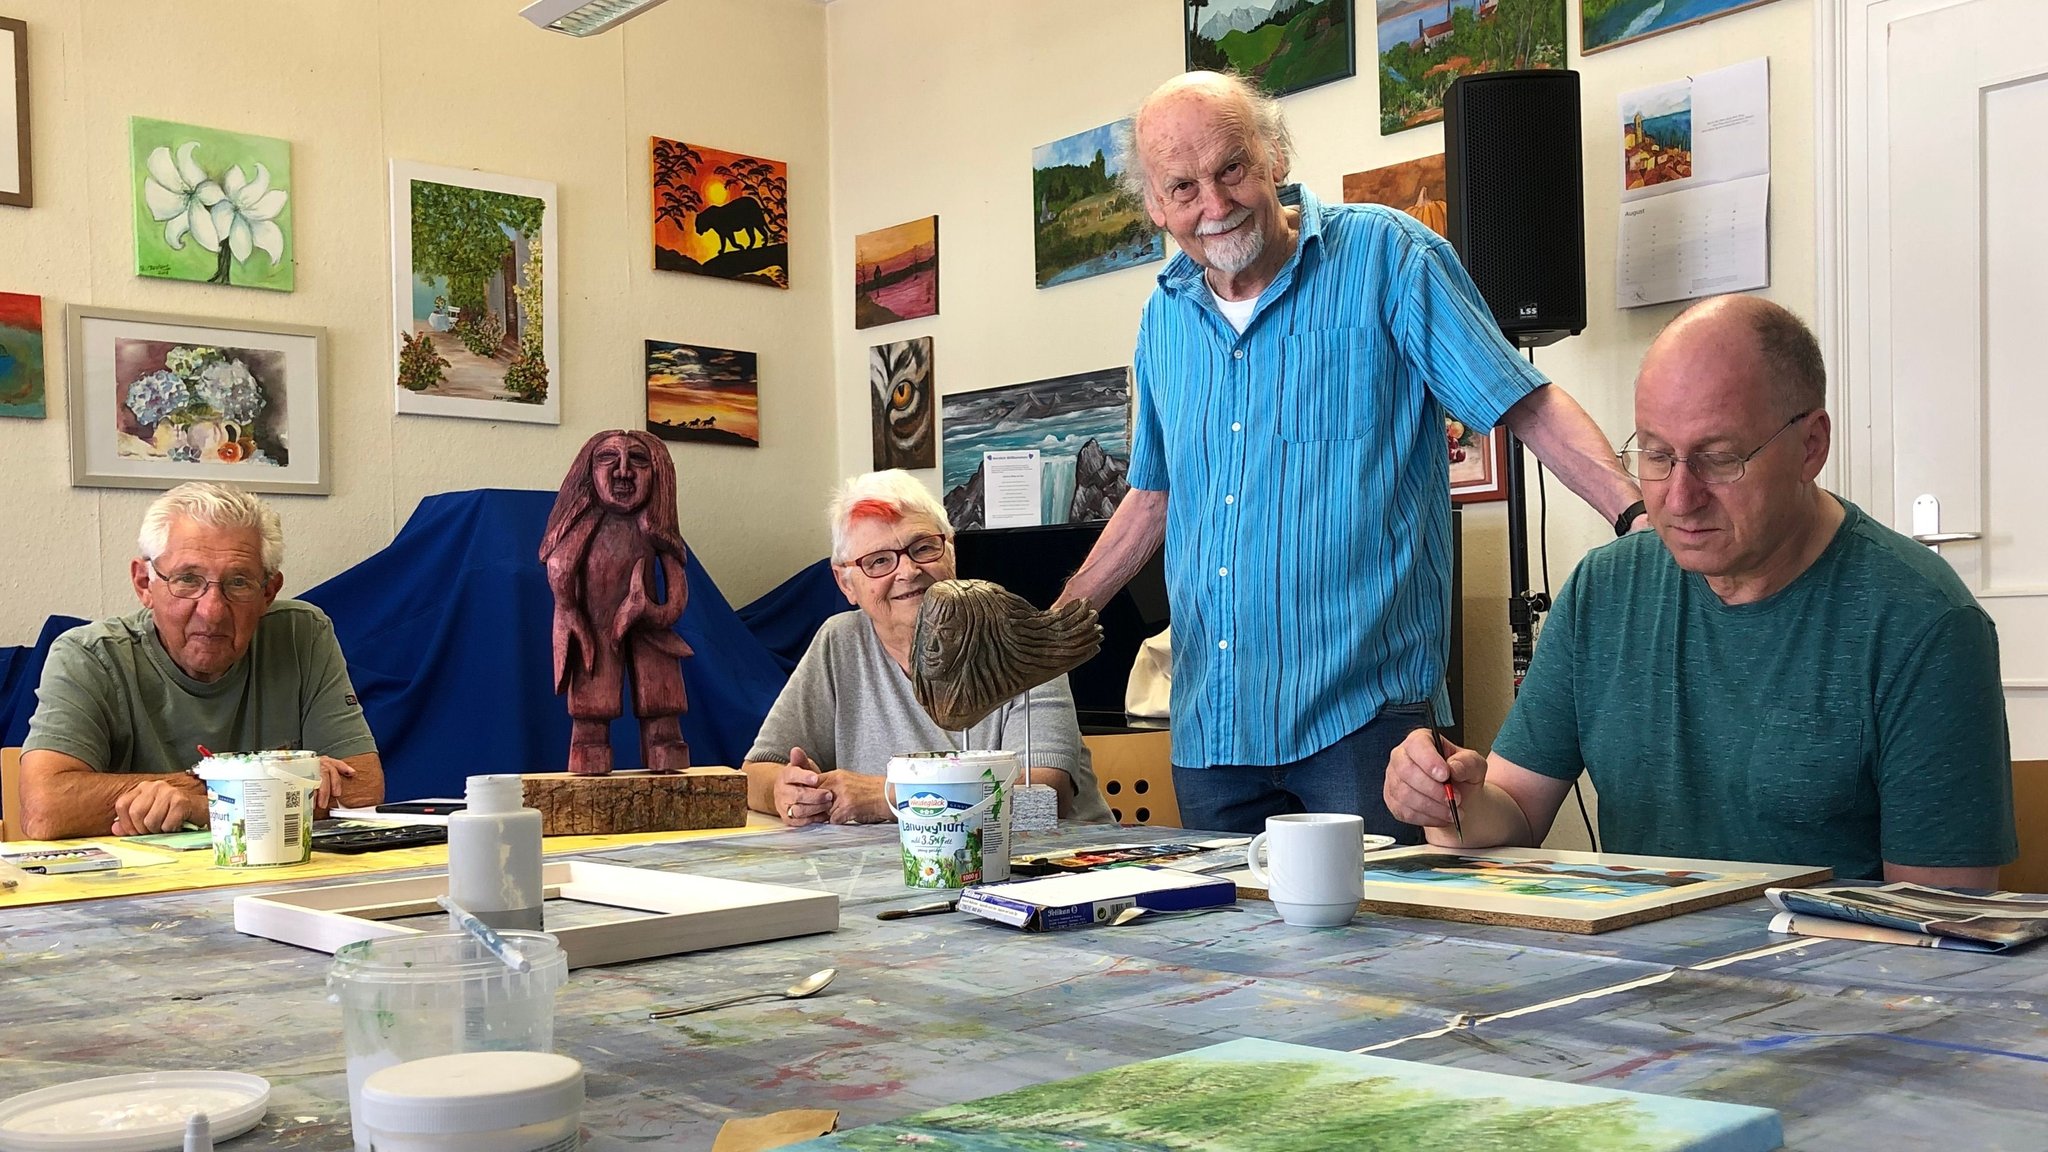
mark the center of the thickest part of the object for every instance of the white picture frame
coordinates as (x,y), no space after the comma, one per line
(686,913)
(470,385)
(120,439)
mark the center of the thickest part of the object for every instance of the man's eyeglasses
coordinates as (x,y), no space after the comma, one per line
(1707,467)
(236,589)
(877,564)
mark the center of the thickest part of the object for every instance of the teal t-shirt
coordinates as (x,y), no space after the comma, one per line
(1853,718)
(112,697)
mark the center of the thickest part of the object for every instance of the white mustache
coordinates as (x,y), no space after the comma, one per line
(1213,227)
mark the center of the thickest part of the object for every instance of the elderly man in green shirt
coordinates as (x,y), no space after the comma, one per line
(213,659)
(1771,676)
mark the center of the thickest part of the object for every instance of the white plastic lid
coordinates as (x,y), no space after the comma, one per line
(490,795)
(259,766)
(142,1112)
(472,1092)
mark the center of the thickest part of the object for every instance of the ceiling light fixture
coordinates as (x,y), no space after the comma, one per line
(583,17)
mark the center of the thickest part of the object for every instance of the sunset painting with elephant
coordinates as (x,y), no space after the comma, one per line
(719,213)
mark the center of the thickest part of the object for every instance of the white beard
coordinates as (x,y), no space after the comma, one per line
(1237,251)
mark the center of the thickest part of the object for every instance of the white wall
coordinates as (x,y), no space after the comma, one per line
(463,83)
(936,106)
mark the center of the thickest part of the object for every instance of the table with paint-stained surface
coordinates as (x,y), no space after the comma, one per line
(1860,1046)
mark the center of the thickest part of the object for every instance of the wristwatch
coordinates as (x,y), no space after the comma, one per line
(1627,517)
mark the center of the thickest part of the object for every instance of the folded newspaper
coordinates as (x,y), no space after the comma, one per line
(1912,914)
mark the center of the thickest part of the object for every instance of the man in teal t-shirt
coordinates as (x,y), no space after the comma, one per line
(1773,676)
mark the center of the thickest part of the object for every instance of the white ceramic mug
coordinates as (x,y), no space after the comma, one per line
(1315,867)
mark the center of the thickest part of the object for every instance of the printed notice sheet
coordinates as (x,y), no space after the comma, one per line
(1013,484)
(1696,185)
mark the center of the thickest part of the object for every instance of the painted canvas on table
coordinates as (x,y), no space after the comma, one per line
(719,213)
(473,303)
(211,205)
(1315,1098)
(1083,223)
(1611,23)
(708,395)
(1414,186)
(1656,135)
(1426,44)
(1080,424)
(896,273)
(1285,45)
(905,398)
(21,356)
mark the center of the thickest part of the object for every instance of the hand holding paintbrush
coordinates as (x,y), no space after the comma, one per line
(1429,781)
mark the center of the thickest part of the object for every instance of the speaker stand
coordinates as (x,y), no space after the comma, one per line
(1524,605)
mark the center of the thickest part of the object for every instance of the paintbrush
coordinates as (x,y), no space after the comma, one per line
(497,945)
(1450,790)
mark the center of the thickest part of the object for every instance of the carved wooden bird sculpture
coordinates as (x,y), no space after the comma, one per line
(978,644)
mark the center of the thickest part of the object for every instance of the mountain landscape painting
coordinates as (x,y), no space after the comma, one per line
(1079,424)
(1285,45)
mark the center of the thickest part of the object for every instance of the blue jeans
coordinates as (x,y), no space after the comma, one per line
(1348,776)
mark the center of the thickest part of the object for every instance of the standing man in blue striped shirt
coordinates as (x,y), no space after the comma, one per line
(1293,370)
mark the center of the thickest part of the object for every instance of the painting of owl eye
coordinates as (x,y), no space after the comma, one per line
(900,376)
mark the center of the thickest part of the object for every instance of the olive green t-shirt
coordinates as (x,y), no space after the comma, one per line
(1853,718)
(112,697)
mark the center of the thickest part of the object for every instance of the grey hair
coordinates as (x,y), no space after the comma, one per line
(1797,373)
(894,489)
(1269,124)
(216,506)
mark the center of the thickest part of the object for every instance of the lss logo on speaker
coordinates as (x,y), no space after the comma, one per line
(1525,311)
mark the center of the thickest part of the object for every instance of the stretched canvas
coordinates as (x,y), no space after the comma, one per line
(719,213)
(21,356)
(1080,424)
(900,379)
(1607,24)
(212,206)
(1413,186)
(473,305)
(1583,892)
(1426,44)
(1083,222)
(1266,1096)
(896,273)
(1285,45)
(709,395)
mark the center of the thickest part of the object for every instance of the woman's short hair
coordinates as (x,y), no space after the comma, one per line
(890,495)
(215,506)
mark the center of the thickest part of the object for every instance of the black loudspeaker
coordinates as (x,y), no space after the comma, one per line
(1514,198)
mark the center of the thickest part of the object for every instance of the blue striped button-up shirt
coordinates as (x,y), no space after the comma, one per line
(1308,550)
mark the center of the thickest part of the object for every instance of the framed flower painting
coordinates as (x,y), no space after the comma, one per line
(1479,463)
(158,400)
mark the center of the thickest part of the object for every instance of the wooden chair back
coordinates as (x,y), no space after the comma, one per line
(10,794)
(1135,772)
(2029,873)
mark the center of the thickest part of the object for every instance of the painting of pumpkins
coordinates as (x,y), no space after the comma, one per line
(1415,187)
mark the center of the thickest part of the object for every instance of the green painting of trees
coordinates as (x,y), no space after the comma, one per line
(1516,34)
(1084,213)
(1300,48)
(461,234)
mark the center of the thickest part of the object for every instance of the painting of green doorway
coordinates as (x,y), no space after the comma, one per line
(212,206)
(474,301)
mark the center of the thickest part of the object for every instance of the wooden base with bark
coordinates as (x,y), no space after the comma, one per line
(572,805)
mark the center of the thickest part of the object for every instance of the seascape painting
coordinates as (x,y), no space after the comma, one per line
(1307,1098)
(1083,222)
(706,395)
(905,398)
(896,273)
(212,206)
(1611,23)
(1080,425)
(1284,45)
(719,213)
(1656,135)
(21,356)
(199,404)
(1426,44)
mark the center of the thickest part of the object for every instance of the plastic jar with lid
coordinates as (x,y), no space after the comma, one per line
(476,1102)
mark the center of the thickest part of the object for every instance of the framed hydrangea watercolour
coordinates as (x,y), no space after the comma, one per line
(158,400)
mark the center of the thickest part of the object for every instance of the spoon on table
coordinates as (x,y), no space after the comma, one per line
(808,986)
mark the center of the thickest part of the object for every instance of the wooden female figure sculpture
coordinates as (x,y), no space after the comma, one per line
(614,523)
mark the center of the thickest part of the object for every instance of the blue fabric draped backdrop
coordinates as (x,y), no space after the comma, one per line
(21,669)
(785,619)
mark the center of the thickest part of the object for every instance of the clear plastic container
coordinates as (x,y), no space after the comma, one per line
(410,997)
(476,1102)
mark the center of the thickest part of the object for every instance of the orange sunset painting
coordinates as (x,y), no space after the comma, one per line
(719,213)
(896,273)
(709,395)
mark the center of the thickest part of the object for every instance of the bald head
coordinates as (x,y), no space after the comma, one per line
(1781,352)
(1225,99)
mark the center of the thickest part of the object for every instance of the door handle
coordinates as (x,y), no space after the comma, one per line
(1937,539)
(1927,524)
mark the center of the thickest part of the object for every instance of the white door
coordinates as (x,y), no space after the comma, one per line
(1940,294)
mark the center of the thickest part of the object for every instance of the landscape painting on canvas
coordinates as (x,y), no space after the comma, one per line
(719,213)
(21,356)
(1284,45)
(707,395)
(1413,186)
(896,273)
(212,206)
(1611,23)
(1080,425)
(1426,44)
(1083,222)
(1313,1098)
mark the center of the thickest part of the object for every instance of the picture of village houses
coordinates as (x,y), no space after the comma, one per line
(1656,135)
(1426,44)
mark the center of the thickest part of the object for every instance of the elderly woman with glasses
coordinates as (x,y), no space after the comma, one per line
(848,708)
